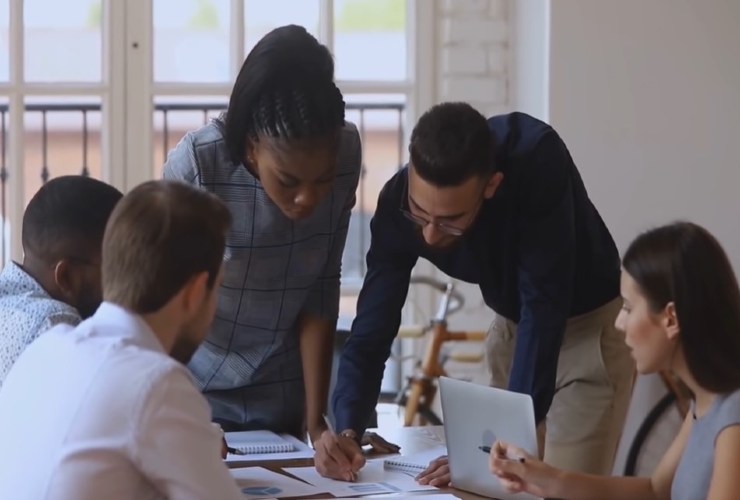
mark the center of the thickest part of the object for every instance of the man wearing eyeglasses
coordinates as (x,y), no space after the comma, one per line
(498,203)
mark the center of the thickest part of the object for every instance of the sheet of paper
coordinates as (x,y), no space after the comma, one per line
(302,451)
(373,480)
(260,483)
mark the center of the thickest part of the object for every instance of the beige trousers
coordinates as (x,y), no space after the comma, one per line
(592,389)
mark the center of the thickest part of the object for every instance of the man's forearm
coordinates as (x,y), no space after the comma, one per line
(316,343)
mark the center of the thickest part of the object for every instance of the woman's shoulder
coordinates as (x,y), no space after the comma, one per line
(350,145)
(729,405)
(349,157)
(210,134)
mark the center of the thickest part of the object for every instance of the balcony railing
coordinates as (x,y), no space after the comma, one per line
(361,113)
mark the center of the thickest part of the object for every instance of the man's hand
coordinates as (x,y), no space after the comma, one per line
(437,474)
(338,457)
(379,444)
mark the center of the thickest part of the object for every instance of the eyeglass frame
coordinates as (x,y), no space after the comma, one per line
(441,226)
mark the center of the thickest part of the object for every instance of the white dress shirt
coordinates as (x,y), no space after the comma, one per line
(100,411)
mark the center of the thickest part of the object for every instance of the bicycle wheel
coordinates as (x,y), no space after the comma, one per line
(654,437)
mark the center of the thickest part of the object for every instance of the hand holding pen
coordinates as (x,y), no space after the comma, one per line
(487,450)
(520,472)
(336,456)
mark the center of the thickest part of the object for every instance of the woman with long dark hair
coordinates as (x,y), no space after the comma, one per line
(682,313)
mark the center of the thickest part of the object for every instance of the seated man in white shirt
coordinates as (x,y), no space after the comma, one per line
(107,409)
(59,278)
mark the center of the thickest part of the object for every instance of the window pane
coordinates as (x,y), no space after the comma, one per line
(61,137)
(380,120)
(261,16)
(370,39)
(191,40)
(4,41)
(62,40)
(175,116)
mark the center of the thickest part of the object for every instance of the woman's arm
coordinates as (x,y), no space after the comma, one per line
(317,344)
(541,479)
(725,478)
(317,323)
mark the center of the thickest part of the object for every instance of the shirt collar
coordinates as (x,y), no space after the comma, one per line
(128,325)
(21,280)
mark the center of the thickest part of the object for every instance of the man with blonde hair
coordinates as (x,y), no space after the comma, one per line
(108,409)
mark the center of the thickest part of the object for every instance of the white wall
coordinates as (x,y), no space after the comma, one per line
(647,97)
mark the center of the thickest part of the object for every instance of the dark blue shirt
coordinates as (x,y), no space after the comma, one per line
(538,249)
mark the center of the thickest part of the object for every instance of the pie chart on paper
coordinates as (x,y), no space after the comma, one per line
(262,490)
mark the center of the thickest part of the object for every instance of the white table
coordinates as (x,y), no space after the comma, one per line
(412,440)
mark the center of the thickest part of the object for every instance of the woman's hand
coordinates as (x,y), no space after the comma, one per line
(520,472)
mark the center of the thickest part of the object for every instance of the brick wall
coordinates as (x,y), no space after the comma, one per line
(473,53)
(473,43)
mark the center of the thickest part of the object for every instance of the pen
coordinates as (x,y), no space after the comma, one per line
(330,427)
(487,449)
(234,451)
(229,449)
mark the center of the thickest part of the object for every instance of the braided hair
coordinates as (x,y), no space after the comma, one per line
(284,90)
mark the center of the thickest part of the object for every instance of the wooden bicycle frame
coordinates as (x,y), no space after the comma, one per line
(422,386)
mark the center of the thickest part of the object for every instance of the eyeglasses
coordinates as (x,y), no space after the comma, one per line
(441,226)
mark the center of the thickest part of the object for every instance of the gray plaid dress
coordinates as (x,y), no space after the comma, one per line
(249,366)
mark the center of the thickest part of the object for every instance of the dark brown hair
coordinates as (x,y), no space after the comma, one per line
(684,264)
(450,144)
(161,235)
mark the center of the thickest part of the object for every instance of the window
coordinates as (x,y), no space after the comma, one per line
(106,88)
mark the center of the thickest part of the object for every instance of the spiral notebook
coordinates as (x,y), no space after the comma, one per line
(414,464)
(259,442)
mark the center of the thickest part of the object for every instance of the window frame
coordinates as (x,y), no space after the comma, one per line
(127,91)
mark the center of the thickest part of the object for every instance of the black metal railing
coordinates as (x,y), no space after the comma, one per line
(358,239)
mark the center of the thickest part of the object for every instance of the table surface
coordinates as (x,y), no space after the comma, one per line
(412,440)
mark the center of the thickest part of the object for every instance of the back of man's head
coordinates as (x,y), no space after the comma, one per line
(451,143)
(161,235)
(66,218)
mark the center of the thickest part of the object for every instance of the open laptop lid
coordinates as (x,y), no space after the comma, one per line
(476,415)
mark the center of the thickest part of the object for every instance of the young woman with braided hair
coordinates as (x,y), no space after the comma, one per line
(287,164)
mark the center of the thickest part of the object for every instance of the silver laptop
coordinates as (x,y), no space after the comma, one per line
(474,417)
